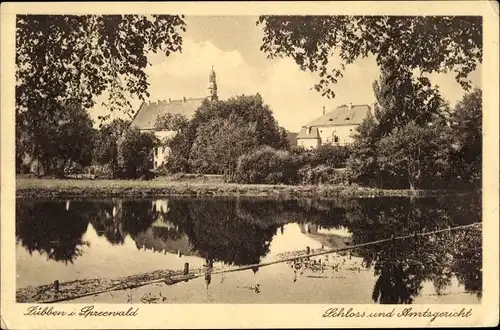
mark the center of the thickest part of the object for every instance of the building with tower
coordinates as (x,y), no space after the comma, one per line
(148,113)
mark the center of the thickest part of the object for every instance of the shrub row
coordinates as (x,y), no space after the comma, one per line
(266,165)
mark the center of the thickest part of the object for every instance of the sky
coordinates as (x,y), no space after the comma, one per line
(232,45)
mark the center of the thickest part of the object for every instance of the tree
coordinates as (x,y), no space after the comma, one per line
(105,143)
(331,155)
(219,144)
(414,155)
(428,43)
(225,118)
(80,56)
(65,137)
(135,153)
(266,165)
(284,142)
(62,59)
(402,99)
(466,123)
(180,146)
(170,122)
(362,162)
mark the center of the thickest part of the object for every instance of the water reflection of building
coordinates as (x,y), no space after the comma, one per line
(309,228)
(328,237)
(160,206)
(164,236)
(157,240)
(160,209)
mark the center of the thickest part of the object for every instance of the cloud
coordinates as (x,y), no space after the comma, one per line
(186,73)
(289,91)
(286,89)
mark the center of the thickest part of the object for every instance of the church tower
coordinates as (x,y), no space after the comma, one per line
(212,86)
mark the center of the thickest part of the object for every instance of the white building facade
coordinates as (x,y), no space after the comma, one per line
(337,127)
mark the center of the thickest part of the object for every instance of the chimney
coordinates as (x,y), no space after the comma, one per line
(323,110)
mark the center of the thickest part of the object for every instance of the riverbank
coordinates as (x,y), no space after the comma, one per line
(200,186)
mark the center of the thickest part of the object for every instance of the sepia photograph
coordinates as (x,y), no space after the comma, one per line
(177,158)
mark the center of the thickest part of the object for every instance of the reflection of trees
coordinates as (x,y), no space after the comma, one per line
(218,233)
(106,218)
(239,231)
(167,234)
(47,227)
(326,213)
(118,218)
(395,284)
(137,216)
(403,265)
(468,261)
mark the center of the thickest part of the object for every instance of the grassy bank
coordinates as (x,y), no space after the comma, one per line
(199,186)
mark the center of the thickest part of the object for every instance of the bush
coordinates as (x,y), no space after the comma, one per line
(101,171)
(266,165)
(135,154)
(163,170)
(147,175)
(323,174)
(331,155)
(271,166)
(73,168)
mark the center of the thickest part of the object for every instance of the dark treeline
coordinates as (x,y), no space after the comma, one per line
(427,148)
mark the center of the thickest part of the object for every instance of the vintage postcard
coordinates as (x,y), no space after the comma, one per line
(249,165)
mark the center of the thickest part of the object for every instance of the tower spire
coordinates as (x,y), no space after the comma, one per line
(212,85)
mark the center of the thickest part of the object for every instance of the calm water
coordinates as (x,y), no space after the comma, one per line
(79,239)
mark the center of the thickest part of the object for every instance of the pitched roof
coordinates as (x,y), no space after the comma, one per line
(308,133)
(148,112)
(342,115)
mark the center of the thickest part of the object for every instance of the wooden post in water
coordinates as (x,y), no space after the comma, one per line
(186,268)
